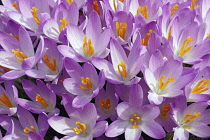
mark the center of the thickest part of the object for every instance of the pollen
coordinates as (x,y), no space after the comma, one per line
(184,48)
(169,33)
(122,69)
(27,130)
(20,56)
(4,68)
(135,119)
(34,11)
(145,40)
(208,35)
(165,109)
(5,101)
(173,9)
(15,5)
(193,4)
(50,64)
(88,46)
(96,7)
(201,86)
(81,128)
(163,84)
(105,103)
(121,28)
(64,24)
(189,117)
(15,36)
(87,83)
(70,1)
(143,10)
(41,100)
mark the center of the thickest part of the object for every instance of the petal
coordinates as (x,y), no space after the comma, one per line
(180,134)
(13,74)
(132,133)
(99,128)
(200,130)
(136,96)
(116,128)
(51,29)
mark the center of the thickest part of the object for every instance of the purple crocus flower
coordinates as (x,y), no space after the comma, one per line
(89,44)
(192,119)
(123,69)
(84,82)
(81,124)
(135,118)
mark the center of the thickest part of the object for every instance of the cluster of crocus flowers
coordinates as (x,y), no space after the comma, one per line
(104,69)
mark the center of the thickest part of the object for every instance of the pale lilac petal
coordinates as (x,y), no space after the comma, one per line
(132,133)
(116,128)
(180,134)
(136,96)
(155,98)
(13,74)
(200,130)
(100,128)
(51,29)
(81,101)
(149,112)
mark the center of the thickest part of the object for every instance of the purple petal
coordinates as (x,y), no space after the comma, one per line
(99,128)
(116,128)
(200,130)
(136,96)
(13,74)
(81,101)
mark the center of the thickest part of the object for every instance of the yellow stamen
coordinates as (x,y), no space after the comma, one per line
(201,86)
(145,40)
(173,9)
(165,109)
(82,128)
(27,130)
(134,119)
(96,7)
(41,100)
(15,5)
(190,117)
(49,63)
(70,1)
(2,71)
(15,36)
(20,56)
(184,49)
(5,101)
(121,29)
(208,35)
(88,46)
(62,80)
(143,10)
(87,83)
(163,84)
(64,24)
(105,103)
(34,12)
(193,4)
(122,69)
(169,33)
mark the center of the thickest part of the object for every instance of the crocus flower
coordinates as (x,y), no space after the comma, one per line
(192,119)
(81,124)
(85,46)
(135,118)
(84,82)
(123,69)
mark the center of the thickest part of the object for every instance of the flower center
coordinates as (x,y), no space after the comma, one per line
(135,119)
(20,56)
(88,46)
(70,1)
(34,11)
(173,9)
(165,109)
(4,68)
(49,63)
(163,84)
(105,103)
(5,101)
(145,40)
(96,7)
(184,49)
(15,5)
(27,130)
(193,4)
(87,83)
(15,36)
(208,35)
(121,29)
(82,128)
(189,117)
(201,86)
(122,69)
(143,10)
(41,100)
(64,24)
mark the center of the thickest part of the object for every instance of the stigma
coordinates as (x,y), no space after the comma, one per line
(122,69)
(88,46)
(81,128)
(121,28)
(145,40)
(34,12)
(105,103)
(20,56)
(51,65)
(165,109)
(27,130)
(41,100)
(87,83)
(15,5)
(64,24)
(184,49)
(193,4)
(201,86)
(70,1)
(173,9)
(163,84)
(96,7)
(143,10)
(135,119)
(15,36)
(5,101)
(189,117)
